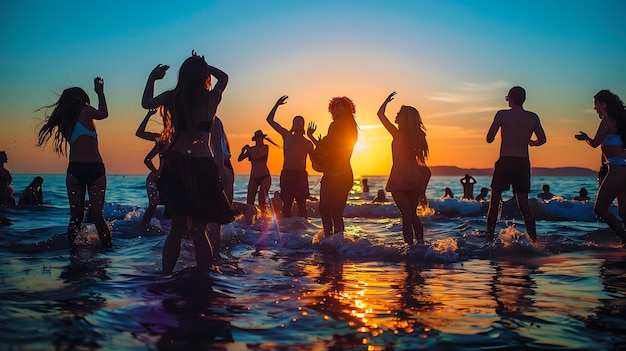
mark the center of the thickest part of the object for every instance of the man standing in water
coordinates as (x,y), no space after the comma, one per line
(513,167)
(294,181)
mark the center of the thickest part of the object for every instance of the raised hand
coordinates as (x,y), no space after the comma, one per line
(98,85)
(310,130)
(581,136)
(282,100)
(390,97)
(159,71)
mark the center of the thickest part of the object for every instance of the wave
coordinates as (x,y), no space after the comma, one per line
(454,232)
(558,209)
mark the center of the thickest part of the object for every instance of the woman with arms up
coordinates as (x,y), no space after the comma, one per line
(337,180)
(189,182)
(611,136)
(72,122)
(409,174)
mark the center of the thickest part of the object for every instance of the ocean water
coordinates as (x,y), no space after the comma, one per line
(278,287)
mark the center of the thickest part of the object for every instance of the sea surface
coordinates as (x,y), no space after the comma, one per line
(279,286)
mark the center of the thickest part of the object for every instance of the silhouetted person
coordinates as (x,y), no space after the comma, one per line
(611,136)
(160,147)
(141,130)
(366,187)
(483,194)
(516,126)
(338,177)
(72,122)
(6,190)
(190,180)
(545,195)
(468,186)
(582,195)
(260,178)
(152,180)
(294,179)
(380,197)
(447,193)
(409,174)
(33,193)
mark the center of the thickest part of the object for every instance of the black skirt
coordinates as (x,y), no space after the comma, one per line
(191,186)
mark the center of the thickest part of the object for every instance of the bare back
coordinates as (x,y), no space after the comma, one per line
(516,129)
(85,148)
(296,148)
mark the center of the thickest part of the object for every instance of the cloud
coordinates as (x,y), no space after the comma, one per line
(370,126)
(470,92)
(484,87)
(470,110)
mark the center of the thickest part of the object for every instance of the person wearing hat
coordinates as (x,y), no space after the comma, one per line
(260,178)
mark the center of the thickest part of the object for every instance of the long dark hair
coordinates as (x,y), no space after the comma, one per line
(184,107)
(60,124)
(413,131)
(615,110)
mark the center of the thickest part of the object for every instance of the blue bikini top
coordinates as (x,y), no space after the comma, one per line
(80,130)
(612,140)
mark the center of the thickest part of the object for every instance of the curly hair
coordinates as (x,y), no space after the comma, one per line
(615,110)
(341,99)
(61,122)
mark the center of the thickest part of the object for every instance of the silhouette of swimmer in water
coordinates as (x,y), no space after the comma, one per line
(447,193)
(365,185)
(33,193)
(483,194)
(582,195)
(380,197)
(468,186)
(545,195)
(6,191)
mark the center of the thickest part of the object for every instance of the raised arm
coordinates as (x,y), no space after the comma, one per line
(270,117)
(309,132)
(222,78)
(383,118)
(244,153)
(148,100)
(102,112)
(141,130)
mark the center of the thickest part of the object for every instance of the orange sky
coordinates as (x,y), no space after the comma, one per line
(453,61)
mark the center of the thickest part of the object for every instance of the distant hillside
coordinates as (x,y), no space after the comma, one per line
(536,171)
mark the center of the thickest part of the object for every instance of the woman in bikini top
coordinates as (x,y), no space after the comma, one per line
(71,122)
(611,135)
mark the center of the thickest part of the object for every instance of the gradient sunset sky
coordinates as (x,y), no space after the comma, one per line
(453,60)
